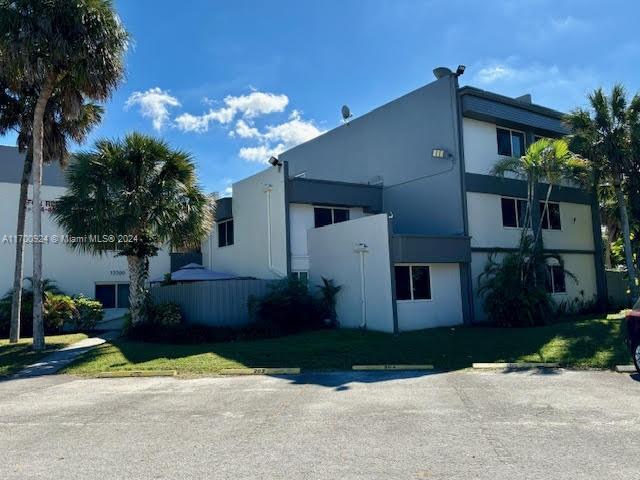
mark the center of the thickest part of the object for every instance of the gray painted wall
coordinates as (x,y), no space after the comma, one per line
(12,163)
(395,142)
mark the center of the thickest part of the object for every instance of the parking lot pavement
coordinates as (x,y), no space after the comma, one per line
(458,425)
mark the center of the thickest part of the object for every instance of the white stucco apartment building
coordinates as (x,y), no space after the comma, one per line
(398,207)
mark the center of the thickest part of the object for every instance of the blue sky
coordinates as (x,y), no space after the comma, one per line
(233,82)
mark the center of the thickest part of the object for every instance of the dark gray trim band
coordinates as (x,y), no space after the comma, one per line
(224,209)
(392,273)
(12,164)
(510,187)
(325,192)
(430,249)
(287,217)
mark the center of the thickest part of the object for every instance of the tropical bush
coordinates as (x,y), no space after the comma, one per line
(165,315)
(88,313)
(58,309)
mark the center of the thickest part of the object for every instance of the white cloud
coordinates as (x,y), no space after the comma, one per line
(247,106)
(244,130)
(494,72)
(278,138)
(154,104)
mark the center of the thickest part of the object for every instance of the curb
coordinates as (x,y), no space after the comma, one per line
(137,373)
(260,371)
(391,367)
(522,365)
(626,368)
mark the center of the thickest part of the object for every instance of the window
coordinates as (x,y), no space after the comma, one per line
(301,276)
(550,219)
(510,142)
(326,215)
(413,282)
(555,279)
(513,212)
(225,233)
(112,295)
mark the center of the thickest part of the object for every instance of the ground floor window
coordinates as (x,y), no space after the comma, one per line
(556,279)
(413,282)
(301,276)
(112,295)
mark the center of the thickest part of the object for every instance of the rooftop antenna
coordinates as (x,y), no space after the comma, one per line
(346,114)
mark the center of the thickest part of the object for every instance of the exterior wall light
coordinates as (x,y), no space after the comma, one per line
(440,153)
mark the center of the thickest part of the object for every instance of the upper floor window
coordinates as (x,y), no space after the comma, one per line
(413,282)
(225,233)
(556,279)
(510,142)
(513,212)
(328,215)
(301,276)
(550,218)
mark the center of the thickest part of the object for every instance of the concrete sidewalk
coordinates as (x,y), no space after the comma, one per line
(63,357)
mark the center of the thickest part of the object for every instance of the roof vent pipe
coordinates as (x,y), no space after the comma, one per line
(441,72)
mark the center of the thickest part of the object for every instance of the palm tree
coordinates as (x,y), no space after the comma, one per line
(604,135)
(545,160)
(135,195)
(16,113)
(46,44)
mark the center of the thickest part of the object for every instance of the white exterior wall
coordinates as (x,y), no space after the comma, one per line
(301,219)
(443,309)
(73,272)
(332,256)
(249,255)
(486,229)
(480,146)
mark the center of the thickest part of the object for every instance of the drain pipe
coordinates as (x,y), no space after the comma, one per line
(267,189)
(362,248)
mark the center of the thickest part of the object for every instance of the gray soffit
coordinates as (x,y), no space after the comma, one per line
(506,111)
(430,249)
(224,209)
(12,163)
(325,192)
(509,187)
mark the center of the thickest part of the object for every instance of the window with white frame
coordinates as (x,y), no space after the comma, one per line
(413,282)
(225,233)
(328,215)
(513,212)
(510,142)
(301,276)
(556,279)
(550,216)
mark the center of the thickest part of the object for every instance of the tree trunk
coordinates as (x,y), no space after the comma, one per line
(38,140)
(626,235)
(138,272)
(16,302)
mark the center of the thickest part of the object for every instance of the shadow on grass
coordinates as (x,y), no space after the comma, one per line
(593,342)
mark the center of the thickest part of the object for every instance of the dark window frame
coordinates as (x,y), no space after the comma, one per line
(552,279)
(518,133)
(520,207)
(227,238)
(333,210)
(116,286)
(546,221)
(409,293)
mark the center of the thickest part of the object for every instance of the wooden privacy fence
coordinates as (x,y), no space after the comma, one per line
(215,303)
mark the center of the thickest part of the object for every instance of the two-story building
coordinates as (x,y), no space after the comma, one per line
(399,208)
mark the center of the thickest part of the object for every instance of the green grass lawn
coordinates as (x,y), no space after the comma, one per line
(14,357)
(593,342)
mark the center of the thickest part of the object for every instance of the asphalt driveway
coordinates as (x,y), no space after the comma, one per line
(461,425)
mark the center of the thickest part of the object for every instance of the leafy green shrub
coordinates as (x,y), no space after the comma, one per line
(510,297)
(328,297)
(288,308)
(58,309)
(165,315)
(89,313)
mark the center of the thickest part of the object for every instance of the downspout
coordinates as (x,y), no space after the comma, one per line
(362,248)
(267,189)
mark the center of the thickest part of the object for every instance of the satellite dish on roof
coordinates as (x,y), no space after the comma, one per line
(346,114)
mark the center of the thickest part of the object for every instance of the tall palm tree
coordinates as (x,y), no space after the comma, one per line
(16,113)
(135,195)
(548,161)
(47,43)
(603,134)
